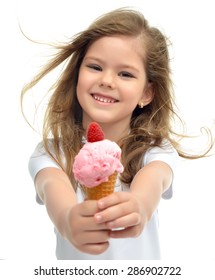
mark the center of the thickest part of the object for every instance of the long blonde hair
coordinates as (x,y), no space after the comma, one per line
(148,126)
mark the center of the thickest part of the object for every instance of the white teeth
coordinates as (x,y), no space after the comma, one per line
(103,99)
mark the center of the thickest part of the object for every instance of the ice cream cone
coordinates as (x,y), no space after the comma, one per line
(102,189)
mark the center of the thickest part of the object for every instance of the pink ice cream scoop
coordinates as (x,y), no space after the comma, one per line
(96,161)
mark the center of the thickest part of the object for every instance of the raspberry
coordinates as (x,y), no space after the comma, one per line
(94,132)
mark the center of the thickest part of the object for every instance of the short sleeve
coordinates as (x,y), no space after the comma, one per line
(167,154)
(40,160)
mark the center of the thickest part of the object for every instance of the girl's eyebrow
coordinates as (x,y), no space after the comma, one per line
(123,65)
(92,58)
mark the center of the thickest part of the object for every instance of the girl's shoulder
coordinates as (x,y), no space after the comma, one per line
(40,159)
(165,152)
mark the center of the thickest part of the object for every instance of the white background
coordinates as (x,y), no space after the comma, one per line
(187,224)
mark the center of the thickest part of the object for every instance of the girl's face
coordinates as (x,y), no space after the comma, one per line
(112,81)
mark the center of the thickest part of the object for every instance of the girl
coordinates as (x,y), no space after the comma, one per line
(117,74)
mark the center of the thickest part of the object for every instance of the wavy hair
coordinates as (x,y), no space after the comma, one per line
(148,126)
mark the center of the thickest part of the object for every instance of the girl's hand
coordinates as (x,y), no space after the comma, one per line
(122,211)
(83,231)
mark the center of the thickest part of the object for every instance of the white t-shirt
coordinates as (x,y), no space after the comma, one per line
(144,247)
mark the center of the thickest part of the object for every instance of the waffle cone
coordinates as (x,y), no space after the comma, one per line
(102,189)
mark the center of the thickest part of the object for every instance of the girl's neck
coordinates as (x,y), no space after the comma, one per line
(114,132)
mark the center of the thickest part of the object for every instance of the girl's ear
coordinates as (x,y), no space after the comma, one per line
(147,97)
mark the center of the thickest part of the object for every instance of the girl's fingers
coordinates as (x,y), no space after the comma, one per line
(124,222)
(112,213)
(125,233)
(88,208)
(117,206)
(93,237)
(113,199)
(89,224)
(94,249)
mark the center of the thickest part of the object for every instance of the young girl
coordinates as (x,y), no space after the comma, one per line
(117,74)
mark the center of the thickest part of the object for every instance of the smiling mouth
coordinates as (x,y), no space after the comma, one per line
(104,99)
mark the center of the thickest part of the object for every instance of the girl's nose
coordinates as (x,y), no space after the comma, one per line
(107,80)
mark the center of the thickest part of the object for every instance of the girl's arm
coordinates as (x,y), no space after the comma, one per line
(132,210)
(75,221)
(150,183)
(56,192)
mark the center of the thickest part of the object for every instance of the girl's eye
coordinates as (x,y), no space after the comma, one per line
(125,74)
(94,67)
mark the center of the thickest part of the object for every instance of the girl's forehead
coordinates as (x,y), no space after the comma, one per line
(134,43)
(118,51)
(125,38)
